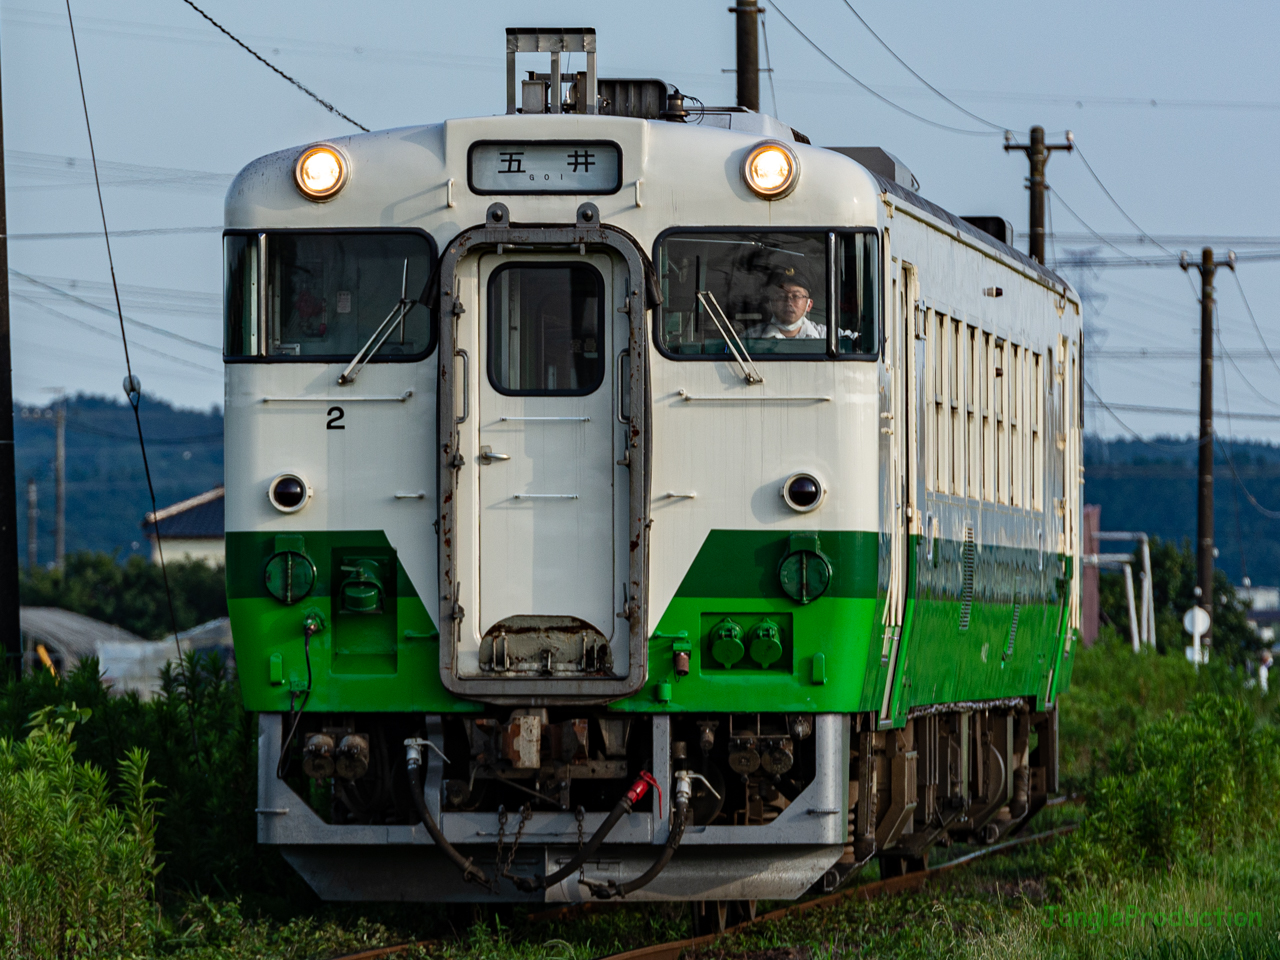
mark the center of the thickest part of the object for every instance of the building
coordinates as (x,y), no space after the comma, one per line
(193,529)
(57,640)
(60,639)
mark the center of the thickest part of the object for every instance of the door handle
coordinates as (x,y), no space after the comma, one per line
(487,455)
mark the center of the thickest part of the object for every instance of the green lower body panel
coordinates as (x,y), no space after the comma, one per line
(730,608)
(378,649)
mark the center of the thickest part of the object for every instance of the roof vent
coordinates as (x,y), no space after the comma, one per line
(997,227)
(883,163)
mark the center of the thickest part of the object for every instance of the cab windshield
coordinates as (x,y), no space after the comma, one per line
(774,289)
(318,296)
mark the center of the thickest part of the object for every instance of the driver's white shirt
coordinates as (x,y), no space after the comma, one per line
(772,331)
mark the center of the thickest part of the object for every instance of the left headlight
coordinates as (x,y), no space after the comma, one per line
(321,171)
(771,169)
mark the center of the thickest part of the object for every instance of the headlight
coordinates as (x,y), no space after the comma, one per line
(320,172)
(288,493)
(771,170)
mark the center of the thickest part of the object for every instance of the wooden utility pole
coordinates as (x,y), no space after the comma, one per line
(60,484)
(10,635)
(748,14)
(33,529)
(1204,488)
(1038,154)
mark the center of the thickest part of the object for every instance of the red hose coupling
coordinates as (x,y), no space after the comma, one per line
(641,787)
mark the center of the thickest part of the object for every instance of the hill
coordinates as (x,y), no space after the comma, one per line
(1147,485)
(1150,485)
(106,485)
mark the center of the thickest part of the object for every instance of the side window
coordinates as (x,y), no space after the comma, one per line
(769,292)
(546,329)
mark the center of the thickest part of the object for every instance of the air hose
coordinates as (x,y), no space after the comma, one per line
(413,757)
(679,820)
(620,809)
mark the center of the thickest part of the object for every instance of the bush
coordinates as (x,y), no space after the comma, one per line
(76,871)
(207,837)
(130,595)
(1184,784)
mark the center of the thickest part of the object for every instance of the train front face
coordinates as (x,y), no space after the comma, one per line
(551,444)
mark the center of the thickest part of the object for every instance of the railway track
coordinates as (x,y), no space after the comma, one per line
(673,950)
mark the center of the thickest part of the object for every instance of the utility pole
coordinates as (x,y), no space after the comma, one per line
(60,485)
(1204,488)
(748,15)
(33,529)
(10,631)
(1038,153)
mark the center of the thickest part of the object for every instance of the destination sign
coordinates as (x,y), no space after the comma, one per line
(545,166)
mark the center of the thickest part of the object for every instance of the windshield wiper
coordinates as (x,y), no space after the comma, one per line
(394,318)
(750,372)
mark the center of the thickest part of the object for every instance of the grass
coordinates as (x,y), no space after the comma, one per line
(1133,729)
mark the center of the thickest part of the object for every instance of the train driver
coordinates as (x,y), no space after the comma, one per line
(790,300)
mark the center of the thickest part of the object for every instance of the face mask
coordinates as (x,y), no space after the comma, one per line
(788,327)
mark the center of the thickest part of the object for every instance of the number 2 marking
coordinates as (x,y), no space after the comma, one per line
(335,415)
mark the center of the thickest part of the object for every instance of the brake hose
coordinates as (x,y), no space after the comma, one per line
(620,809)
(413,758)
(679,820)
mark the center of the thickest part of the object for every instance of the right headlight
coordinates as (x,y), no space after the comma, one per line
(771,169)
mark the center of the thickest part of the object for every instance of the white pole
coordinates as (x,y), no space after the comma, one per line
(1133,613)
(1149,594)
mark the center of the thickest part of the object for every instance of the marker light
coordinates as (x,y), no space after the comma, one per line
(803,492)
(320,172)
(771,170)
(288,493)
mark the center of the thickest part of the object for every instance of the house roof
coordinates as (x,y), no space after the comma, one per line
(72,635)
(200,516)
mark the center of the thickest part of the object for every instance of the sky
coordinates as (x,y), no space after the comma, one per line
(1175,111)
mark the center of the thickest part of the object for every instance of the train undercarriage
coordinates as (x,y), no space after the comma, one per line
(716,807)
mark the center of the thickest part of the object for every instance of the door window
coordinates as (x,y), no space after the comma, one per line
(546,329)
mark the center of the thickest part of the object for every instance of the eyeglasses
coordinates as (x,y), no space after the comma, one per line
(790,297)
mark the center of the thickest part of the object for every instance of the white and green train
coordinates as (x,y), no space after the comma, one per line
(605,445)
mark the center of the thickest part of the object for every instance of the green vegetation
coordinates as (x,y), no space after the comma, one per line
(77,872)
(1180,770)
(130,594)
(1173,574)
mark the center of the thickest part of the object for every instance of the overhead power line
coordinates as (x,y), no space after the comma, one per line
(1182,239)
(1145,353)
(1177,411)
(1087,260)
(1253,320)
(32,302)
(879,96)
(907,66)
(133,387)
(123,319)
(263,60)
(1103,187)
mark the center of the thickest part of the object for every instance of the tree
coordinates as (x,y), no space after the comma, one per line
(1173,576)
(130,594)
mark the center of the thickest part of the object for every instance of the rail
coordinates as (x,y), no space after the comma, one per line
(675,949)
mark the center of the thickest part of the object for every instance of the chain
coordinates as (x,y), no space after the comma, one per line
(582,870)
(526,814)
(498,869)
